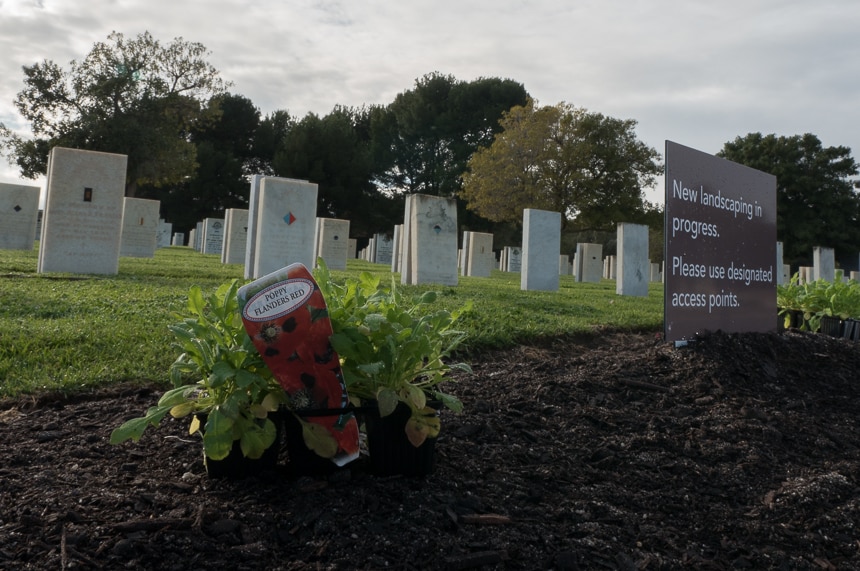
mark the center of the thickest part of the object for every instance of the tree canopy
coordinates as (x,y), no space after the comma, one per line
(135,97)
(587,166)
(423,139)
(816,202)
(334,152)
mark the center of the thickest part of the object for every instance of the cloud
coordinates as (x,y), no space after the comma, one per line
(699,73)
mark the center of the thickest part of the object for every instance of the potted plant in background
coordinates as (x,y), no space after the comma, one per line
(395,354)
(222,383)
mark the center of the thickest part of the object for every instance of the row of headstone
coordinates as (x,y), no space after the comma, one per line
(88,224)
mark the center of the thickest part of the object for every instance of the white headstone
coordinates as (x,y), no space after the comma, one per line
(178,239)
(353,246)
(655,273)
(235,235)
(480,258)
(541,245)
(633,266)
(82,222)
(139,227)
(199,235)
(163,234)
(19,212)
(253,209)
(397,253)
(514,258)
(213,236)
(192,238)
(824,264)
(430,240)
(563,264)
(286,220)
(589,262)
(383,249)
(333,245)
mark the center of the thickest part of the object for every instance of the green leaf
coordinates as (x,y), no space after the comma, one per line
(217,445)
(133,429)
(218,423)
(195,300)
(255,440)
(387,400)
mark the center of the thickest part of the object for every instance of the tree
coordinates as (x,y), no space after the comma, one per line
(423,139)
(587,166)
(135,97)
(816,202)
(334,152)
(225,153)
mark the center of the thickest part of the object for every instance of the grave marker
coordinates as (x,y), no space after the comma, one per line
(19,213)
(163,234)
(82,222)
(213,236)
(383,249)
(541,245)
(823,264)
(235,236)
(139,227)
(333,246)
(430,240)
(589,262)
(479,256)
(286,220)
(633,265)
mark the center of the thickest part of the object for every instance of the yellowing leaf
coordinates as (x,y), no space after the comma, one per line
(195,425)
(420,427)
(182,410)
(318,439)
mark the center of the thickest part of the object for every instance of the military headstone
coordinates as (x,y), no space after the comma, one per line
(589,262)
(480,258)
(430,240)
(213,236)
(633,265)
(541,245)
(383,249)
(139,227)
(235,235)
(19,213)
(333,244)
(163,234)
(285,225)
(82,222)
(823,263)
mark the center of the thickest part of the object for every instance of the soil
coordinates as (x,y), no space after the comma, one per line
(740,451)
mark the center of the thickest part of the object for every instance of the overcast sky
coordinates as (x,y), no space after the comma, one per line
(696,72)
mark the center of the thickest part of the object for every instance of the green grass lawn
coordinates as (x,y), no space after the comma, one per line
(67,332)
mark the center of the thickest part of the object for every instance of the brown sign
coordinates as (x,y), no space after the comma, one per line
(720,237)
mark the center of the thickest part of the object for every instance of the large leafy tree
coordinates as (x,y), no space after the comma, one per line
(226,155)
(587,166)
(334,152)
(133,96)
(423,139)
(816,201)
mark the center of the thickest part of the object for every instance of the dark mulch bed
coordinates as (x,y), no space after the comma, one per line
(621,452)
